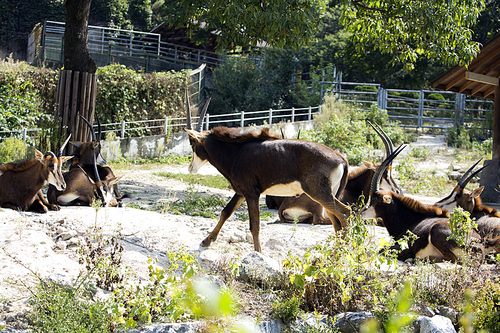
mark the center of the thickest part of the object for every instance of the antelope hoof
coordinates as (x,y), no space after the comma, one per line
(207,241)
(54,207)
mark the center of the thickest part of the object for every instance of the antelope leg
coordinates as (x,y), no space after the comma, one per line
(45,203)
(254,214)
(235,202)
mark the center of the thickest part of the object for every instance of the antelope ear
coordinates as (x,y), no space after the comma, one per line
(370,165)
(115,180)
(65,158)
(387,199)
(95,145)
(39,155)
(194,134)
(477,192)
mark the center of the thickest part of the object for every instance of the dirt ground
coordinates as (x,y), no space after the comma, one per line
(46,244)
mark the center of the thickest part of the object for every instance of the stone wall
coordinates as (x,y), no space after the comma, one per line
(149,147)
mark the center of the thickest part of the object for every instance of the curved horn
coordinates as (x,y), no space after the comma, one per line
(382,167)
(389,146)
(464,181)
(202,113)
(91,128)
(189,123)
(63,146)
(97,177)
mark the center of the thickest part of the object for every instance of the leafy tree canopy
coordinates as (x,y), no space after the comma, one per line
(436,29)
(248,22)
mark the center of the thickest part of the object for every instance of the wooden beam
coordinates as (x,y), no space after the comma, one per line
(465,86)
(485,79)
(455,81)
(489,91)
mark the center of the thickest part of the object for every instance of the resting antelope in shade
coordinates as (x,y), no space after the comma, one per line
(81,189)
(303,209)
(21,183)
(429,223)
(487,218)
(258,163)
(88,153)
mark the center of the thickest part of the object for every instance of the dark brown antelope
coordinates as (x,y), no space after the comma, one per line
(87,152)
(303,209)
(429,223)
(487,218)
(258,163)
(81,189)
(21,183)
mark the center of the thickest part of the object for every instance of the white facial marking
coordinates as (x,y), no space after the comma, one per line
(196,163)
(55,181)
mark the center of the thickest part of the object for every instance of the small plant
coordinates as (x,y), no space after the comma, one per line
(286,308)
(461,226)
(484,304)
(102,256)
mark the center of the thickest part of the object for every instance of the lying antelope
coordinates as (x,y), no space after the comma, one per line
(258,163)
(303,209)
(88,152)
(81,189)
(21,183)
(430,224)
(487,218)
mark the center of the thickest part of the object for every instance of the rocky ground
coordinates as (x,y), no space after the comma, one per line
(41,245)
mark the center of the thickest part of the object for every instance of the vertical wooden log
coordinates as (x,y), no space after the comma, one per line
(66,108)
(59,101)
(82,128)
(74,108)
(93,97)
(90,115)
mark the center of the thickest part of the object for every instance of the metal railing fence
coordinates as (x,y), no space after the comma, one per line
(166,125)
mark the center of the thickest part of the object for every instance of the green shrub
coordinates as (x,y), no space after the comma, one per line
(58,308)
(436,96)
(486,306)
(340,127)
(12,150)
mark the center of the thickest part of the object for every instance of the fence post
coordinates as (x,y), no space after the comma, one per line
(165,127)
(242,119)
(270,116)
(207,121)
(123,130)
(24,135)
(309,113)
(380,95)
(293,114)
(459,109)
(420,108)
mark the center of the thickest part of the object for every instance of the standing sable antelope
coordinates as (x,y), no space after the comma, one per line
(430,224)
(487,218)
(21,183)
(303,209)
(81,189)
(258,163)
(88,153)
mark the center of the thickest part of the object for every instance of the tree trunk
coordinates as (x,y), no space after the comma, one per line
(76,52)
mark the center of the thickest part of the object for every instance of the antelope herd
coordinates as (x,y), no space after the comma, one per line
(305,181)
